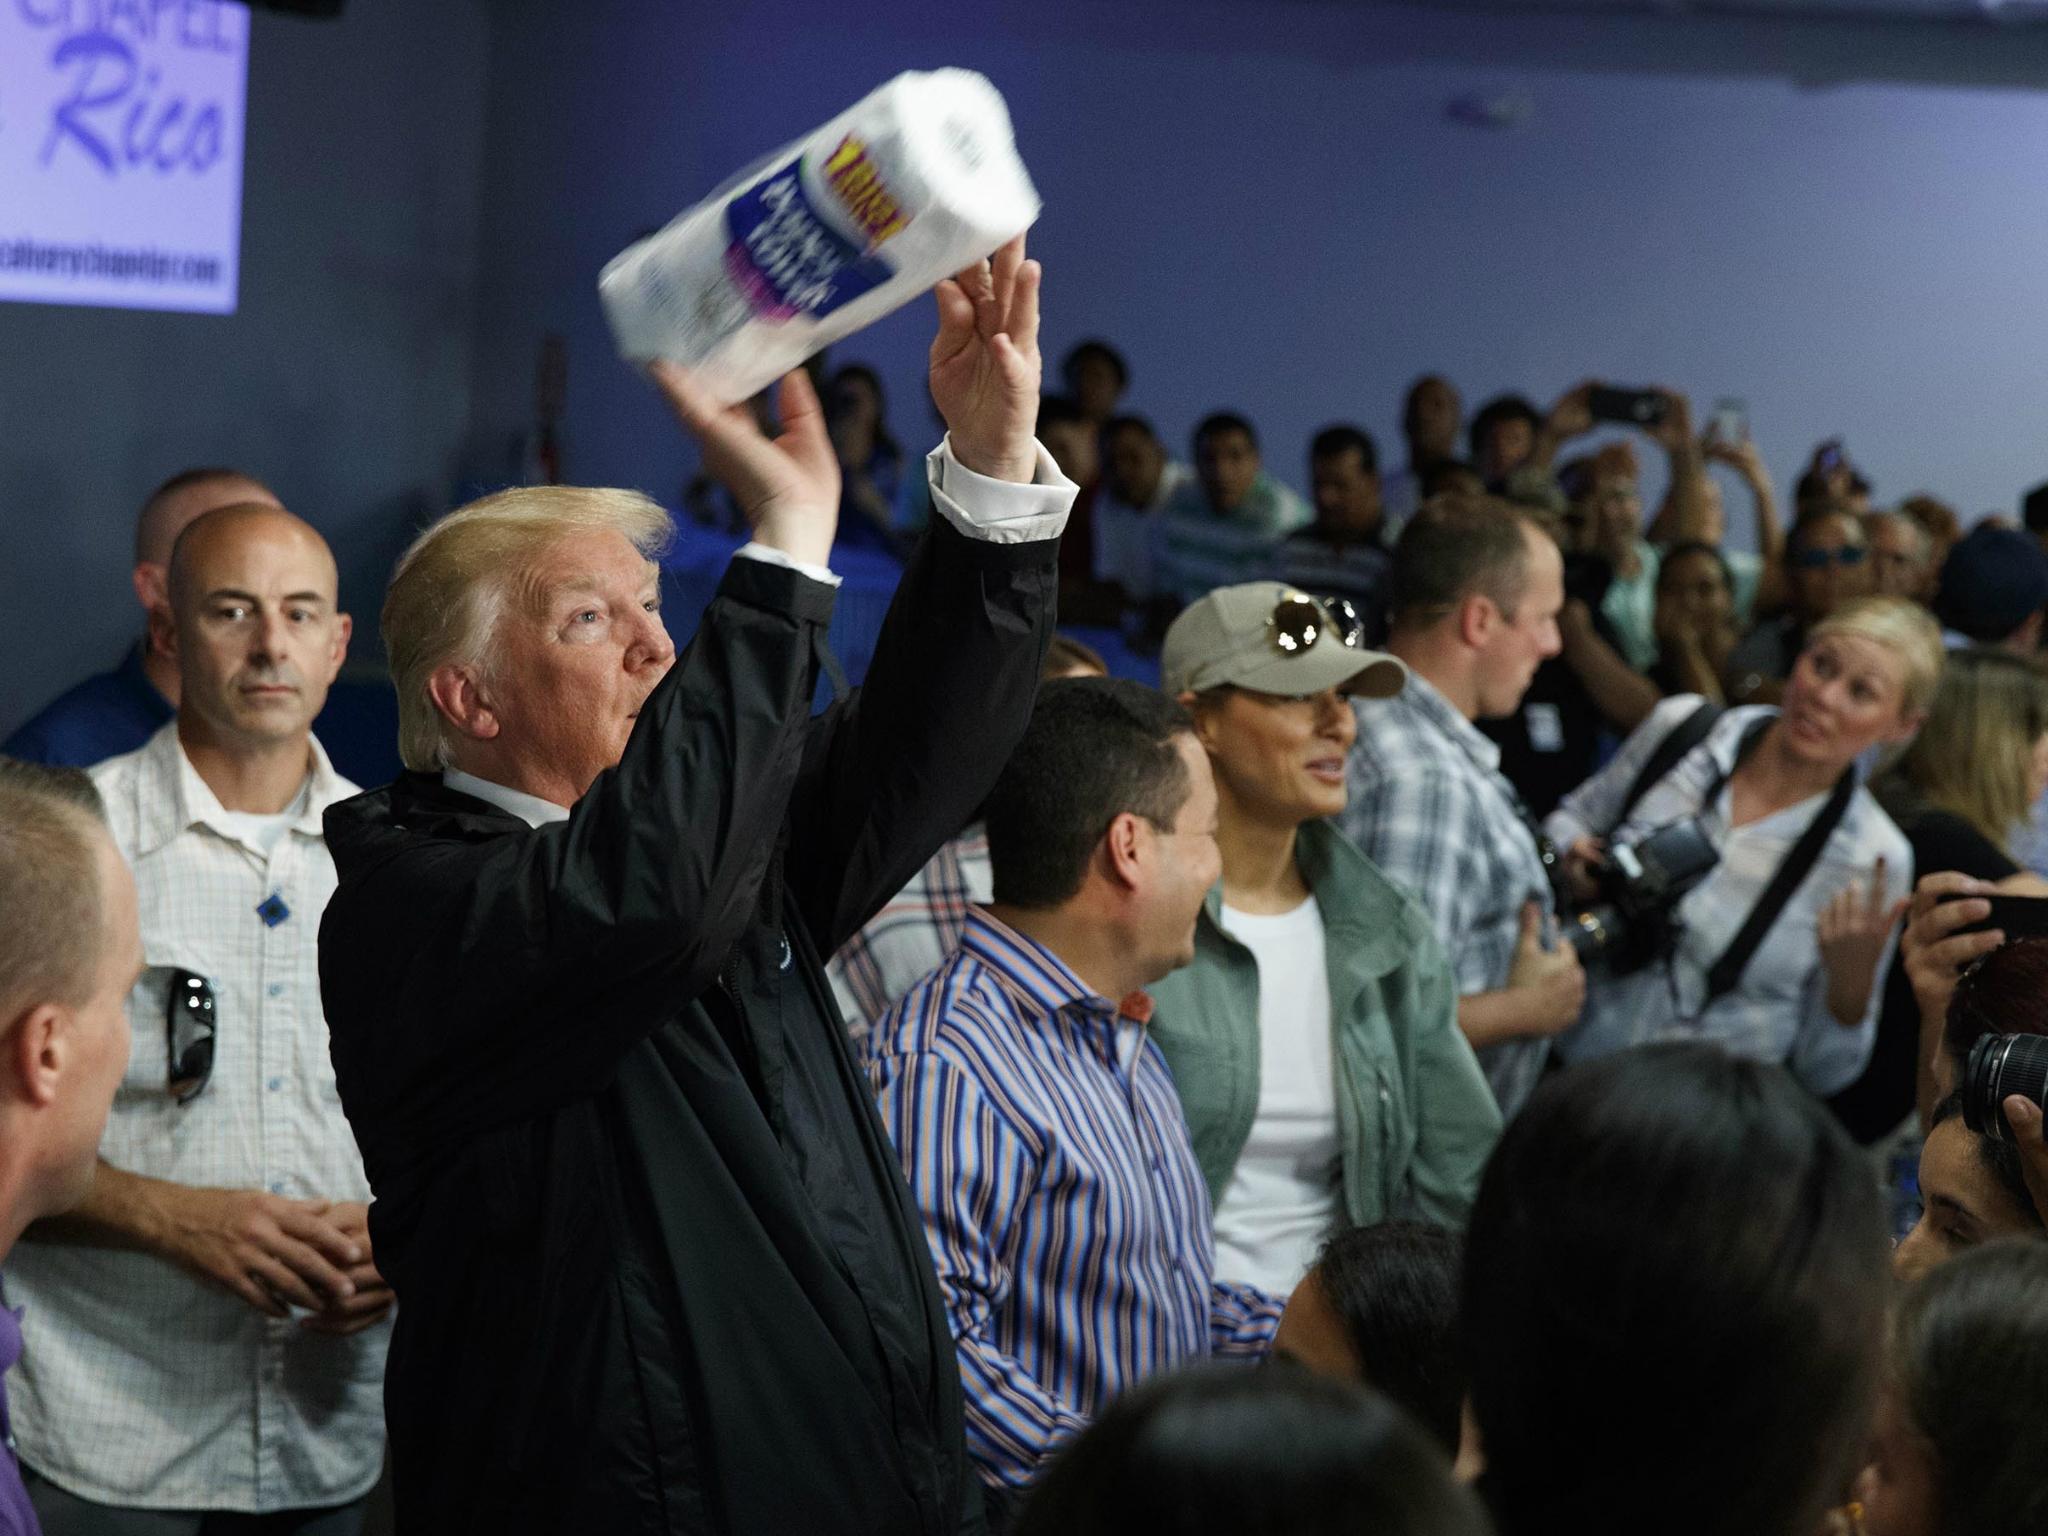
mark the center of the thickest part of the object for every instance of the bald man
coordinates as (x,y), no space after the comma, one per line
(117,711)
(205,1333)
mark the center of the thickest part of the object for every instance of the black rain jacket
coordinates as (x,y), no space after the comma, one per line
(657,1267)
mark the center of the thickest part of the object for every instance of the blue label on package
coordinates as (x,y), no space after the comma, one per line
(787,260)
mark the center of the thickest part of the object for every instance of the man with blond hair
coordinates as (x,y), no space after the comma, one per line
(69,952)
(657,1269)
(205,1332)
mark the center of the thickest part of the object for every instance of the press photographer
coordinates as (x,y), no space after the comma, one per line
(1734,880)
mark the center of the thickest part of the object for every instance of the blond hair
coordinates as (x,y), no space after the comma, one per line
(51,902)
(1905,630)
(1972,756)
(453,586)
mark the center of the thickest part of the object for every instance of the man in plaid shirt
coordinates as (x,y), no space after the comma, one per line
(1477,588)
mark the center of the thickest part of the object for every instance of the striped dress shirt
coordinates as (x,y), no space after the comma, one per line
(1066,1213)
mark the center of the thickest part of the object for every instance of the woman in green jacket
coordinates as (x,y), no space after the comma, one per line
(1314,1038)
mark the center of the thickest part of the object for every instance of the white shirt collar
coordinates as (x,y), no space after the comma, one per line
(174,797)
(531,809)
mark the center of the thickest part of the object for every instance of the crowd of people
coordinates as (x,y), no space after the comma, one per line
(1493,1040)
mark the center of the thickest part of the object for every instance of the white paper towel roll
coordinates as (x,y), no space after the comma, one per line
(826,235)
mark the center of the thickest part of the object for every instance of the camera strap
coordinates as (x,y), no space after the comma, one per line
(1689,733)
(1726,972)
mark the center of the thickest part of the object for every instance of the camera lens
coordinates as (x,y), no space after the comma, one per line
(1999,1067)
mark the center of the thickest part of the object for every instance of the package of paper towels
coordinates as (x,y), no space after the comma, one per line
(826,235)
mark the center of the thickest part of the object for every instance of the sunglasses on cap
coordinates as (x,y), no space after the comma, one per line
(188,1032)
(1821,559)
(1298,621)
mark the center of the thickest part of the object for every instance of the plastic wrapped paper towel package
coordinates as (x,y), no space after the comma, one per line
(826,235)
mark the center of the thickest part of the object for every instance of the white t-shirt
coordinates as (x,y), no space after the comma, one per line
(264,832)
(1282,1199)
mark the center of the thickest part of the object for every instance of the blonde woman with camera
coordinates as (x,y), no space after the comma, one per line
(1775,941)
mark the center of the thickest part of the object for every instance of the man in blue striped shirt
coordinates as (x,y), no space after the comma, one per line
(1037,1121)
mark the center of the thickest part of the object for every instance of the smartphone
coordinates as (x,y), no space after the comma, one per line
(1730,423)
(2017,917)
(1632,407)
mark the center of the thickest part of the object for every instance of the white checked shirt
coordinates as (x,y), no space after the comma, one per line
(915,934)
(140,1385)
(1430,807)
(1778,1012)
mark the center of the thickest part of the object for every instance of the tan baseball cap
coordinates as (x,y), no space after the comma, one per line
(1271,638)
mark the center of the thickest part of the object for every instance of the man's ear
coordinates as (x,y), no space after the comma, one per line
(1476,619)
(37,1051)
(1123,850)
(152,585)
(344,627)
(163,632)
(458,693)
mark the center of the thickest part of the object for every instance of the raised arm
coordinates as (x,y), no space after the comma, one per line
(1623,695)
(1683,515)
(1571,416)
(539,957)
(893,772)
(1748,461)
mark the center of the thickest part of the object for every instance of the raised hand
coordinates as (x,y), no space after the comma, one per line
(1853,931)
(1744,457)
(985,367)
(1572,415)
(1674,431)
(787,486)
(1935,954)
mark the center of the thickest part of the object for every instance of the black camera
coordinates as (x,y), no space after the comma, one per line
(1632,923)
(1999,1067)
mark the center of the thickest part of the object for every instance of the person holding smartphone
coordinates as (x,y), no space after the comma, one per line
(1960,793)
(1779,951)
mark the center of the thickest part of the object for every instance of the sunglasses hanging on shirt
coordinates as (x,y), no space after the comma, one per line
(189,1032)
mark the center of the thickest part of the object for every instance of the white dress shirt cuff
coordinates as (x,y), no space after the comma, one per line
(1000,511)
(765,554)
